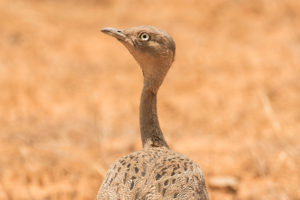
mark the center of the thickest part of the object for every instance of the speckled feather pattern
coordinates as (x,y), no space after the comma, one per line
(153,174)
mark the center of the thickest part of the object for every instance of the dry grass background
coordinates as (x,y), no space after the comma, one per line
(69,95)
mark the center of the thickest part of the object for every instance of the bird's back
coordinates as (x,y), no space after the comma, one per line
(153,174)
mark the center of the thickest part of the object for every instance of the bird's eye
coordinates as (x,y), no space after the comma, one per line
(145,36)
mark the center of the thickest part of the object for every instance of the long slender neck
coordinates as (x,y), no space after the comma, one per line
(151,133)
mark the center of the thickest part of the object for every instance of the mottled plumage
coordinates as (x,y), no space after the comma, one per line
(156,172)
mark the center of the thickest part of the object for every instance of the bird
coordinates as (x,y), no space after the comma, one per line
(155,172)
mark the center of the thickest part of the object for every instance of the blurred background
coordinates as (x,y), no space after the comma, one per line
(69,95)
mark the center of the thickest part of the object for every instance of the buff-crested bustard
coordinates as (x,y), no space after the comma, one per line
(156,172)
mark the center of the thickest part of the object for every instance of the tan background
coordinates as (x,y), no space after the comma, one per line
(69,95)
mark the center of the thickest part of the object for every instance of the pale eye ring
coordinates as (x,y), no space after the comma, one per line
(145,36)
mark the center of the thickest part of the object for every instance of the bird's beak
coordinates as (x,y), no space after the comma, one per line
(117,33)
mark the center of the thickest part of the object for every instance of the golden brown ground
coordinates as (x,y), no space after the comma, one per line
(69,95)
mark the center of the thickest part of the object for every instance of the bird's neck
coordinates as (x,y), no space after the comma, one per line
(151,133)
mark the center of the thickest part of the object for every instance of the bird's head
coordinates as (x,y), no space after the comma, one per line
(151,47)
